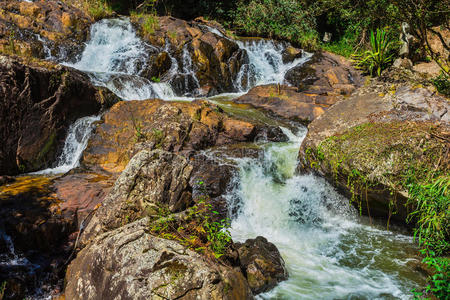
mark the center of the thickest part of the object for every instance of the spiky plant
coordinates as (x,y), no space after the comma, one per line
(376,59)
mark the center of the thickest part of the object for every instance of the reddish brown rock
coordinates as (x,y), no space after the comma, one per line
(132,126)
(216,58)
(262,262)
(325,75)
(286,102)
(61,25)
(80,193)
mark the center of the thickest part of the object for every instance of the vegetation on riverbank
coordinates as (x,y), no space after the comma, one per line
(200,229)
(405,158)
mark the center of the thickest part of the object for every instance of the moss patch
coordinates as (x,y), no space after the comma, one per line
(374,154)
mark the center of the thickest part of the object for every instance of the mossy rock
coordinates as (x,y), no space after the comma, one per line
(372,161)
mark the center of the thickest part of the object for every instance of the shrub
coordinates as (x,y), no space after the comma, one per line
(432,216)
(282,19)
(375,60)
(442,83)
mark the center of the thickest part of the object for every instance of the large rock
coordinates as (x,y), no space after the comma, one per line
(41,215)
(325,75)
(368,144)
(216,59)
(262,263)
(151,180)
(181,127)
(129,263)
(39,102)
(42,28)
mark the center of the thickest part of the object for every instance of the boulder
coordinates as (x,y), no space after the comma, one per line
(368,144)
(42,28)
(129,263)
(262,264)
(314,87)
(286,102)
(326,76)
(152,180)
(40,101)
(290,54)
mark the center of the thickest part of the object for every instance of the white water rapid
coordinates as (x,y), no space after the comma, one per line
(265,64)
(328,252)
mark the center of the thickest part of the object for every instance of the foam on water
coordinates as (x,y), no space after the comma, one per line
(328,253)
(265,64)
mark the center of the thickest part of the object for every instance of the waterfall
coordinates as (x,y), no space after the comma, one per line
(74,145)
(328,252)
(114,58)
(265,64)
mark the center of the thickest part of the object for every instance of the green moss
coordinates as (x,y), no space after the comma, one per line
(48,147)
(371,154)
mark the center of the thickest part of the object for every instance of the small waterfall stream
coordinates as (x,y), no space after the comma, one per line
(76,141)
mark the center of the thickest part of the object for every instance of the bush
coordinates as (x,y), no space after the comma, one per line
(280,19)
(442,83)
(375,60)
(432,217)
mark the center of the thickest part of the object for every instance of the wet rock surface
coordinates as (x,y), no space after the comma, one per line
(262,263)
(371,140)
(39,103)
(216,59)
(178,127)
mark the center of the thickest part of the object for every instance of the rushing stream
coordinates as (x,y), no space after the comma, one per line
(329,251)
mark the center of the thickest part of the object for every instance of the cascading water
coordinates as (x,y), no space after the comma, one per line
(329,254)
(115,57)
(265,64)
(74,145)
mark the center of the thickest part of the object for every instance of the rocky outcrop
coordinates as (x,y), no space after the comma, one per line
(181,127)
(39,102)
(152,179)
(216,59)
(314,87)
(42,28)
(129,263)
(368,144)
(262,264)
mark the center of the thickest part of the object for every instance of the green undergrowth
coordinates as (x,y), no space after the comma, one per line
(149,22)
(400,157)
(432,216)
(198,228)
(442,83)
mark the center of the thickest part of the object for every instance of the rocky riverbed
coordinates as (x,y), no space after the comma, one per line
(174,190)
